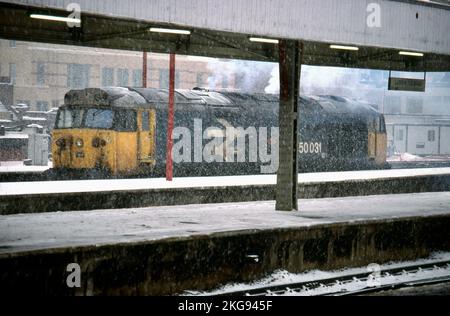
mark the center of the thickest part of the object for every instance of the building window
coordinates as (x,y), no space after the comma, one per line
(392,105)
(137,78)
(200,80)
(78,76)
(122,77)
(414,105)
(164,79)
(177,80)
(40,74)
(42,106)
(12,73)
(420,145)
(431,135)
(399,135)
(433,100)
(12,44)
(55,104)
(225,82)
(107,77)
(239,80)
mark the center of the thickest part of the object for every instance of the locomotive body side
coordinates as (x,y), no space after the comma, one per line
(124,131)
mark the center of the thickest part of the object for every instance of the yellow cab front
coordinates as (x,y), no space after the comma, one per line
(95,138)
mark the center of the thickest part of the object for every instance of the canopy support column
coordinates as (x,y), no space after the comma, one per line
(287,182)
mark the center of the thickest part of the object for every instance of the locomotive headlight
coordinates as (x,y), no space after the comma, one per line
(79,142)
(61,143)
(98,142)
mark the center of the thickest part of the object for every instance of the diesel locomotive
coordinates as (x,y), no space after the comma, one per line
(123,131)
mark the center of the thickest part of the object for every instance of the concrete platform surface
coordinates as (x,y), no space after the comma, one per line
(30,232)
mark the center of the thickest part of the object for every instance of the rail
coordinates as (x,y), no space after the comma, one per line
(327,286)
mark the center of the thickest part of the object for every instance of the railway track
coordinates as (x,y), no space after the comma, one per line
(369,282)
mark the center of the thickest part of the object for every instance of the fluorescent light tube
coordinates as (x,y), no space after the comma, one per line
(263,40)
(170,31)
(54,18)
(344,47)
(411,54)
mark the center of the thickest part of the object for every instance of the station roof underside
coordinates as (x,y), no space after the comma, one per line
(131,32)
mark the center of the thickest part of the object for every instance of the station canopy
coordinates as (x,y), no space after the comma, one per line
(218,29)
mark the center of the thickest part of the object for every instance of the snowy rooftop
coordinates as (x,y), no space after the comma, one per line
(19,167)
(29,118)
(26,232)
(15,136)
(35,126)
(18,188)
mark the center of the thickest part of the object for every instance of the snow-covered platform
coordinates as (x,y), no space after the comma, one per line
(45,187)
(162,250)
(33,197)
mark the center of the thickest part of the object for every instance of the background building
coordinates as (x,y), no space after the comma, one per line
(42,73)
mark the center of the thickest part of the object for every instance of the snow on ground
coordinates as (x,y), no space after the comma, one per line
(17,188)
(281,277)
(406,157)
(22,232)
(18,166)
(14,135)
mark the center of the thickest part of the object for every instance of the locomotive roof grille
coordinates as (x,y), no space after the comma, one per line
(122,97)
(112,97)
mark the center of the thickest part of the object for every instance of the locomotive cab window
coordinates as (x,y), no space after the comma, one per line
(69,118)
(99,118)
(125,120)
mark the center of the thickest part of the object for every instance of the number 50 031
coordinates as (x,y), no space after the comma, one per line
(311,148)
